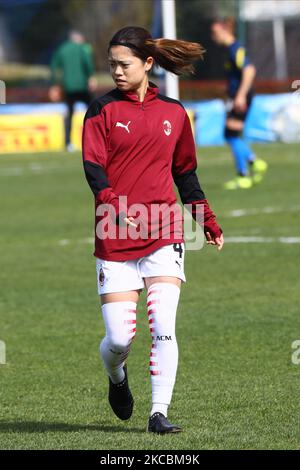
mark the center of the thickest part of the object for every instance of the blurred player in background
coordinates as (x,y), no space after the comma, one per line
(137,143)
(71,76)
(240,75)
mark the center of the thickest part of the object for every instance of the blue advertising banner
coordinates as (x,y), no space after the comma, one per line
(209,121)
(274,118)
(271,118)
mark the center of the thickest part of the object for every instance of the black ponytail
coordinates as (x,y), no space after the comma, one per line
(174,55)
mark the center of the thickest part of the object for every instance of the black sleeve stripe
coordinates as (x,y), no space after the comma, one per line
(96,177)
(96,105)
(189,187)
(169,100)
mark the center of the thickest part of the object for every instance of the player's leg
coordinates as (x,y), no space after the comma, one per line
(86,97)
(119,316)
(162,301)
(241,153)
(70,101)
(119,287)
(244,157)
(257,166)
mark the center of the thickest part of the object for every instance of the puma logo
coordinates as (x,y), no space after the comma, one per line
(120,124)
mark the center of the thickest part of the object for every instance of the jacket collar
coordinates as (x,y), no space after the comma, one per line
(151,94)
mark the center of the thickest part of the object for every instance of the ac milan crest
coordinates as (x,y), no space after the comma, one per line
(101,277)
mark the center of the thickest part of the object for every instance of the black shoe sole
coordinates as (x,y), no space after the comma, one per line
(173,431)
(122,413)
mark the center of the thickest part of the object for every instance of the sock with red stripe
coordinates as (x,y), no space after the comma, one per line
(120,326)
(162,302)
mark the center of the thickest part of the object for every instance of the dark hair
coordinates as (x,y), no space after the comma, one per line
(228,21)
(174,55)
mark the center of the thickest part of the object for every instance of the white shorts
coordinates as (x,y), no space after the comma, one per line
(122,276)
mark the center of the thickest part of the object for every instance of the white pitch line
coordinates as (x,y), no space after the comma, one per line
(12,171)
(67,241)
(236,239)
(286,240)
(263,210)
(87,240)
(289,239)
(33,168)
(64,242)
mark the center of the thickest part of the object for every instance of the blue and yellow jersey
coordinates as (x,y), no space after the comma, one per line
(237,59)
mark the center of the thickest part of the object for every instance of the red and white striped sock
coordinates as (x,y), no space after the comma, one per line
(162,302)
(120,325)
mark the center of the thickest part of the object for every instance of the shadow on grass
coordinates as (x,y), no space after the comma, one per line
(39,427)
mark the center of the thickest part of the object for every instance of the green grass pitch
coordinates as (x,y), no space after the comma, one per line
(236,388)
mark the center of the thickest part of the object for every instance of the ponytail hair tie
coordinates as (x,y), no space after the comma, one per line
(123,43)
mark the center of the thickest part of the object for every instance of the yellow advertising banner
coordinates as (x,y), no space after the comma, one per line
(191,115)
(77,126)
(31,133)
(76,131)
(42,132)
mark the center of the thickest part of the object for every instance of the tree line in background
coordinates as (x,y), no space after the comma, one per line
(36,28)
(30,30)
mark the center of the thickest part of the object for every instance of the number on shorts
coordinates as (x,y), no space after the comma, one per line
(178,248)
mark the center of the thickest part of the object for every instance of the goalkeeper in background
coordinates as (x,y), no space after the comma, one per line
(240,75)
(71,76)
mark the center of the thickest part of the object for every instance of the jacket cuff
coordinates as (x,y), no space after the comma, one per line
(107,196)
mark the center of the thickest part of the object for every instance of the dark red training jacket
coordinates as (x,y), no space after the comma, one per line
(139,149)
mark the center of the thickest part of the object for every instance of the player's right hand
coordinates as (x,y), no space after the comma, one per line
(130,221)
(55,93)
(240,103)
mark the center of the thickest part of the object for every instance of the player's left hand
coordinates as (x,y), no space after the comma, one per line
(55,93)
(92,84)
(218,241)
(240,103)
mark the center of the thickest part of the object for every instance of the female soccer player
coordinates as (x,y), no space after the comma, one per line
(240,74)
(136,143)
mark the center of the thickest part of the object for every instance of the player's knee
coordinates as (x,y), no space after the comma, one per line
(229,133)
(116,343)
